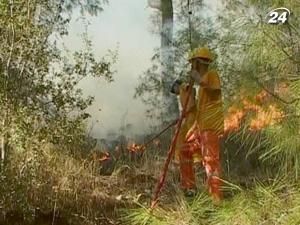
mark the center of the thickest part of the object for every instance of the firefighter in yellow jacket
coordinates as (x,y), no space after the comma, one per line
(203,126)
(203,137)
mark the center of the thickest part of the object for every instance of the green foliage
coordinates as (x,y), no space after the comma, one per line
(40,100)
(274,202)
(152,83)
(256,56)
(52,183)
(253,57)
(39,95)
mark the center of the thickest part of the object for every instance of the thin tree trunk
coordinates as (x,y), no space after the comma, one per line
(167,56)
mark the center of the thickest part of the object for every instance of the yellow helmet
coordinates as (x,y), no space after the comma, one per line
(203,53)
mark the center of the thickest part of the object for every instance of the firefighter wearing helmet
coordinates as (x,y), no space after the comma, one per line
(204,124)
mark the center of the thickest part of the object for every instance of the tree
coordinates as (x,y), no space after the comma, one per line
(167,54)
(40,100)
(256,57)
(152,85)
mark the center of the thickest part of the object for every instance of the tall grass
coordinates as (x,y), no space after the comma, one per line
(276,202)
(57,185)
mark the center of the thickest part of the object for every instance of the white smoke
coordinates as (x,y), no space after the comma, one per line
(167,49)
(155,4)
(126,24)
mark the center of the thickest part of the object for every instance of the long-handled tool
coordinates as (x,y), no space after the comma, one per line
(178,127)
(165,129)
(160,133)
(171,150)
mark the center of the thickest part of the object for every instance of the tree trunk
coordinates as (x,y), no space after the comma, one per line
(167,56)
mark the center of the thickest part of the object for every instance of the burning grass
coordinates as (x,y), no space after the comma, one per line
(258,114)
(59,186)
(136,148)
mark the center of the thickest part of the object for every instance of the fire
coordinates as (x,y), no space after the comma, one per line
(262,117)
(135,148)
(233,121)
(105,156)
(265,118)
(101,156)
(261,97)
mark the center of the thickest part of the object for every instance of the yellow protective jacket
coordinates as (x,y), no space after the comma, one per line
(209,105)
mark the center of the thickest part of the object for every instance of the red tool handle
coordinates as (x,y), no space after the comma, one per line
(171,150)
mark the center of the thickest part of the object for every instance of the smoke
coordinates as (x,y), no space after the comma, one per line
(126,26)
(155,4)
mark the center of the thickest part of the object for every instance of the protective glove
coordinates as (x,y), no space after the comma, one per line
(175,87)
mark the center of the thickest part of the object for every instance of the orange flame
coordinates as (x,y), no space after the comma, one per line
(105,156)
(100,156)
(265,118)
(134,148)
(233,120)
(261,119)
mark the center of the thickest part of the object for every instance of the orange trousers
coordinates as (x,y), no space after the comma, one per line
(207,143)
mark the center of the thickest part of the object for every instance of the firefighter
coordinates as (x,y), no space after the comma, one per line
(204,135)
(186,159)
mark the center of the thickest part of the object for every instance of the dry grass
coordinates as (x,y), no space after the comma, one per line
(59,186)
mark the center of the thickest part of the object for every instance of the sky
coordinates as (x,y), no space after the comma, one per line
(123,25)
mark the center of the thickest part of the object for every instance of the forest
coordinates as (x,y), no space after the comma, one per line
(53,171)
